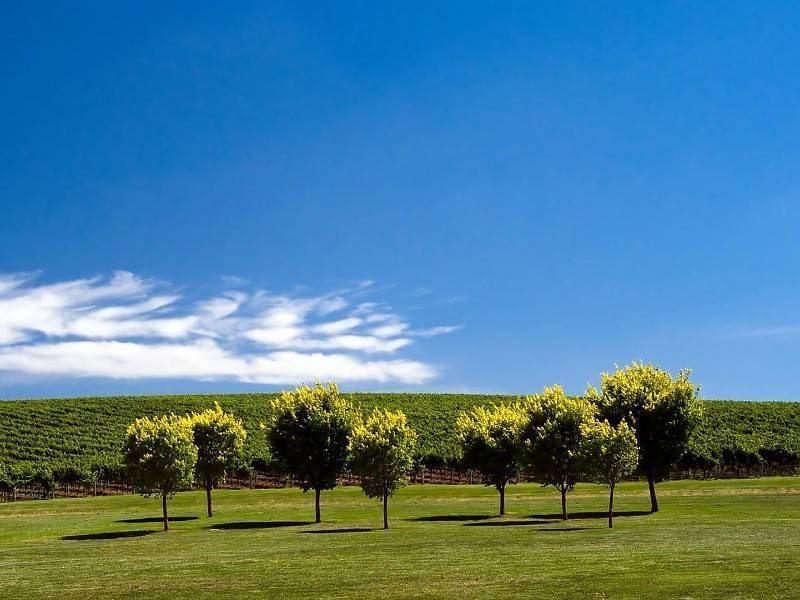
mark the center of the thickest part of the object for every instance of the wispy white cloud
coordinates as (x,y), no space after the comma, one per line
(125,326)
(777,331)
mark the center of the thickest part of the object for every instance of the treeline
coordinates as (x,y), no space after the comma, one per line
(640,418)
(75,443)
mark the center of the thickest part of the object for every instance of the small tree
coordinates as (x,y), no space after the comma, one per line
(491,443)
(309,435)
(383,455)
(160,456)
(663,411)
(553,437)
(219,438)
(611,455)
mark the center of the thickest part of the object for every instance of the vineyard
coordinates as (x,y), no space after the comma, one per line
(78,440)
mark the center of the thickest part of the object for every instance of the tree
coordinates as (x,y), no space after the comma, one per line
(219,438)
(160,456)
(491,443)
(309,435)
(553,438)
(662,411)
(383,455)
(611,455)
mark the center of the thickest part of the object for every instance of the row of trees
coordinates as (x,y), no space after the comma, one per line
(641,418)
(69,474)
(164,455)
(315,434)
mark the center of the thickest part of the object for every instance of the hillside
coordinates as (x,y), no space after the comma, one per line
(90,430)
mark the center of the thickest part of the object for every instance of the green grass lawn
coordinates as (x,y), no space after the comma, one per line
(717,539)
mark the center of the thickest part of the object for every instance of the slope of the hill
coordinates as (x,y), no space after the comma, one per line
(92,429)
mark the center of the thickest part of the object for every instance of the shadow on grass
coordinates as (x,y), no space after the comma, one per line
(546,529)
(449,518)
(342,530)
(155,520)
(593,514)
(259,524)
(108,535)
(507,523)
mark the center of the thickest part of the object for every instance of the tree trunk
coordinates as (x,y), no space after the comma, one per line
(208,498)
(385,510)
(651,482)
(502,490)
(564,504)
(318,517)
(164,510)
(611,506)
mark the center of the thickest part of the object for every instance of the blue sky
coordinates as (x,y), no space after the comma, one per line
(520,195)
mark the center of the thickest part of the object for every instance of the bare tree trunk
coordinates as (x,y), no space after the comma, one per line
(385,510)
(611,506)
(209,485)
(502,490)
(318,516)
(564,504)
(651,482)
(164,510)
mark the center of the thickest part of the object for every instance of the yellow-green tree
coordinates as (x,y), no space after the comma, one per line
(661,409)
(382,448)
(611,455)
(309,436)
(219,438)
(491,443)
(553,437)
(159,456)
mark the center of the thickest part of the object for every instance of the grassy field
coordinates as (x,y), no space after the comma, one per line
(715,539)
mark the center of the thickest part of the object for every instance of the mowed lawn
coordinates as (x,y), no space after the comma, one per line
(716,539)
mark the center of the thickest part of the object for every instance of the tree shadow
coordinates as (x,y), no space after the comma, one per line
(593,514)
(450,518)
(259,524)
(507,523)
(546,529)
(155,520)
(342,530)
(108,535)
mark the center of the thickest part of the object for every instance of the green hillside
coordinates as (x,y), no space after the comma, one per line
(90,430)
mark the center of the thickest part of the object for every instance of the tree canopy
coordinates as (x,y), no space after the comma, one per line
(219,438)
(611,455)
(553,437)
(491,443)
(661,409)
(160,455)
(309,436)
(383,449)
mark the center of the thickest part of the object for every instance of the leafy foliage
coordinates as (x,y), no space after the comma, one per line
(382,448)
(554,436)
(160,454)
(219,438)
(309,435)
(611,454)
(662,410)
(491,439)
(88,432)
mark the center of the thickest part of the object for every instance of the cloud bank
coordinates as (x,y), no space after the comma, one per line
(126,327)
